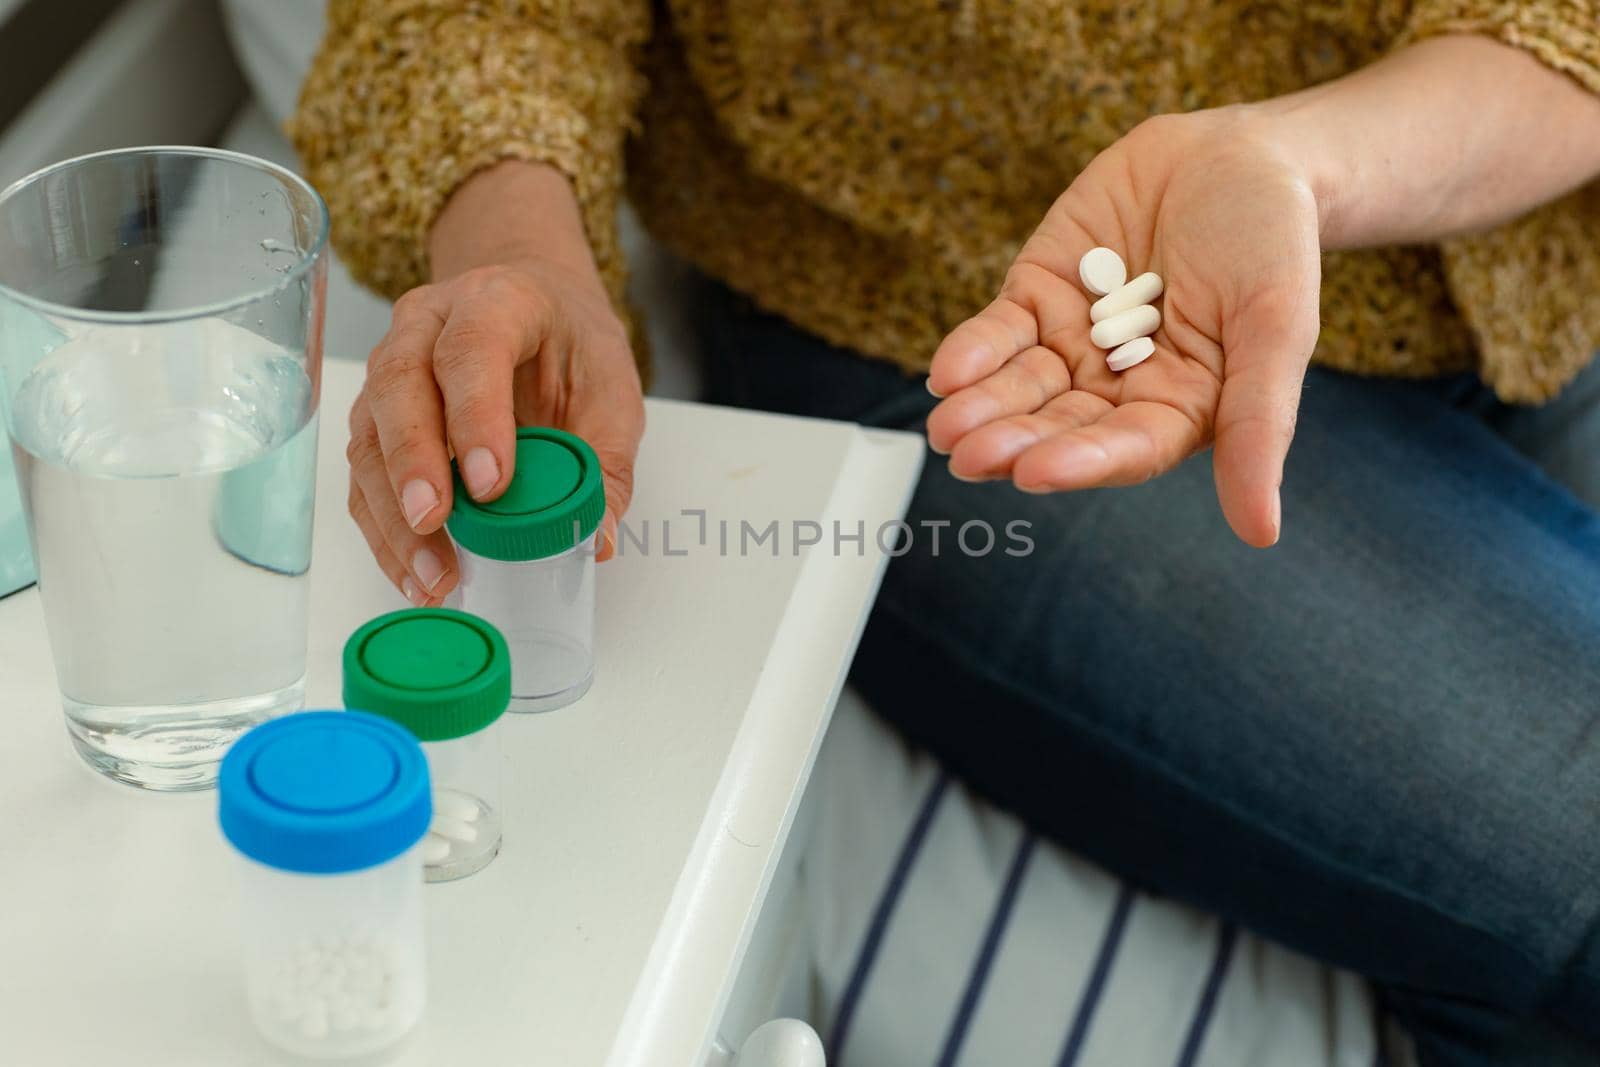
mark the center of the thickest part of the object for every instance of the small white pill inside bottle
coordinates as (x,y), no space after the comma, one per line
(326,810)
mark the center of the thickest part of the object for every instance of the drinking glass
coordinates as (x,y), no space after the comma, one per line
(160,359)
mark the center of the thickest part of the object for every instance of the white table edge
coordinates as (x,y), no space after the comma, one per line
(748,821)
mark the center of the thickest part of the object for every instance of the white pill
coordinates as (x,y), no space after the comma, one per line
(1101,270)
(1130,353)
(455,805)
(454,829)
(434,848)
(1142,290)
(1124,327)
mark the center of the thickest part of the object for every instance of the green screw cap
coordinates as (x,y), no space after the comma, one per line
(439,673)
(554,502)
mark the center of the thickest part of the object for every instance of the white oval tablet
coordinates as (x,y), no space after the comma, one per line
(1101,270)
(434,848)
(1125,326)
(1130,353)
(449,803)
(454,829)
(1142,290)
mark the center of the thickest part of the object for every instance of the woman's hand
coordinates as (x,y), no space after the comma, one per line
(1213,203)
(521,340)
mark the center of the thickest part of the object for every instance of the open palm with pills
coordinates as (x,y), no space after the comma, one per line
(1214,207)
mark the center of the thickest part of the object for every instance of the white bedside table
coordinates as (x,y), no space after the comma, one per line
(644,825)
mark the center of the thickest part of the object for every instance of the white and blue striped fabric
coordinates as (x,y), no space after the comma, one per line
(946,935)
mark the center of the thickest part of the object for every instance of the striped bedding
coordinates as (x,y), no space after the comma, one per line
(946,935)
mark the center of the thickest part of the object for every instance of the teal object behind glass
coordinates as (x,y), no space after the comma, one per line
(28,336)
(160,353)
(16,560)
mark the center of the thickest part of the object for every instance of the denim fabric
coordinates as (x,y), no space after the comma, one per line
(1378,742)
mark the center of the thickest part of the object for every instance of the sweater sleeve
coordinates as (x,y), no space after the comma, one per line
(406,99)
(1530,288)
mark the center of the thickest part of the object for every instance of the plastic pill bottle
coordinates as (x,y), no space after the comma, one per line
(445,676)
(327,810)
(527,565)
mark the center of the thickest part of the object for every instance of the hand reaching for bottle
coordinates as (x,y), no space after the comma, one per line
(1217,207)
(516,330)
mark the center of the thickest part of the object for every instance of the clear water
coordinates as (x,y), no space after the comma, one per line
(168,478)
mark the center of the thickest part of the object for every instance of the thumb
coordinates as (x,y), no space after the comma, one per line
(1266,347)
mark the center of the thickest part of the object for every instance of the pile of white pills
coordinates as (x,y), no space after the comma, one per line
(1123,317)
(455,817)
(333,991)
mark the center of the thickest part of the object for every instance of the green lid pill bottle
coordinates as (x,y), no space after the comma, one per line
(527,565)
(446,677)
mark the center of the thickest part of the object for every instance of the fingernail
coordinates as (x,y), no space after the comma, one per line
(416,500)
(962,477)
(409,590)
(936,449)
(480,471)
(928,382)
(426,566)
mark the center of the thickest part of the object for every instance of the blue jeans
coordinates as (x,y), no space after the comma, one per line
(1378,742)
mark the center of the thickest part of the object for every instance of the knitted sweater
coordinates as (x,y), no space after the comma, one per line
(868,168)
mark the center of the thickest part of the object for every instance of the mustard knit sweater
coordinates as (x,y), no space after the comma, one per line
(868,168)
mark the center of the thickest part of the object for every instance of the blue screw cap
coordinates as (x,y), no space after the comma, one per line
(325,792)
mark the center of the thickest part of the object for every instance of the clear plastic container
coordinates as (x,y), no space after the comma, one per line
(545,609)
(465,834)
(446,677)
(327,810)
(527,565)
(335,963)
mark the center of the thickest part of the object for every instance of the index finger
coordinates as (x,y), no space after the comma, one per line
(473,361)
(407,410)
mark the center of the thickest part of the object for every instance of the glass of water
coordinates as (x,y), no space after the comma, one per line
(160,359)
